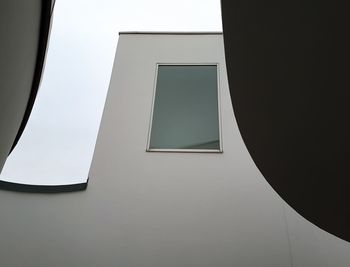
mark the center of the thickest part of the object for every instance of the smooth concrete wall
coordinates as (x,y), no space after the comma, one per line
(182,209)
(162,209)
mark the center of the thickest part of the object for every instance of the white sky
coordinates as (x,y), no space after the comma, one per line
(58,142)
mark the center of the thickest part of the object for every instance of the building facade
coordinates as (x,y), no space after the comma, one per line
(143,207)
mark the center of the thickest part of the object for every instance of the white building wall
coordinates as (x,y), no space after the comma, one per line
(162,209)
(182,209)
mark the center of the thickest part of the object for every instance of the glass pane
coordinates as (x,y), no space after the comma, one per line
(185,113)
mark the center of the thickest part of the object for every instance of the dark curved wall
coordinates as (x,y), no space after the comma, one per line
(25,27)
(288,70)
(45,25)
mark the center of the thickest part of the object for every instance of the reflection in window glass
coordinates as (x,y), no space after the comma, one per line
(185,112)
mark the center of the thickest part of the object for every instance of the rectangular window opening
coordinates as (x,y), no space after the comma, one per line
(185,115)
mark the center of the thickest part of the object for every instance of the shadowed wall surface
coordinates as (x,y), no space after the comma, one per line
(288,70)
(24,29)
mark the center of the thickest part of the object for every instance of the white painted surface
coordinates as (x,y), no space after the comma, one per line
(314,247)
(162,209)
(178,209)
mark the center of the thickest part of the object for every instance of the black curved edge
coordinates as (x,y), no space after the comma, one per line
(45,25)
(8,186)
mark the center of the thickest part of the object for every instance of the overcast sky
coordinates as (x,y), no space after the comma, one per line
(58,142)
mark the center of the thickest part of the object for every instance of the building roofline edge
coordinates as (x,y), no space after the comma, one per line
(171,33)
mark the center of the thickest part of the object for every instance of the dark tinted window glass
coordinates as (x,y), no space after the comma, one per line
(185,113)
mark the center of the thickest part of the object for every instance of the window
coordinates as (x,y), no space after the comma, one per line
(185,114)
